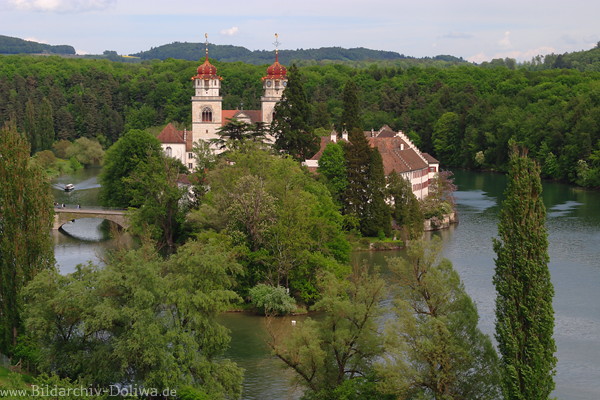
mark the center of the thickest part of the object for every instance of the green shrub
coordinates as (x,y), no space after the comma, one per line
(272,300)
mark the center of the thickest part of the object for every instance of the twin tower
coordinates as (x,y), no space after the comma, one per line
(207,104)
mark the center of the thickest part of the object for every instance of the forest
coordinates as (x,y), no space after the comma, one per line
(12,45)
(465,115)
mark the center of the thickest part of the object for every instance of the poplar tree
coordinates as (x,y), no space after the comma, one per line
(524,313)
(290,124)
(25,222)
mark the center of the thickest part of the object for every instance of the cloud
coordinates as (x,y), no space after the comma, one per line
(33,39)
(518,55)
(505,41)
(457,35)
(230,32)
(62,6)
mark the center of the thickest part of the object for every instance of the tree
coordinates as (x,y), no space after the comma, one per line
(154,187)
(332,165)
(358,158)
(376,220)
(45,125)
(340,348)
(524,313)
(86,151)
(121,160)
(235,132)
(406,210)
(434,349)
(446,140)
(285,220)
(351,112)
(140,320)
(290,124)
(25,220)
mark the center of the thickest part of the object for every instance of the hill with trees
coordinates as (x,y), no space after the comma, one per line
(13,45)
(464,115)
(228,53)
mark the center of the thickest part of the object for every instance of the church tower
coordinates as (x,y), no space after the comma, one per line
(273,83)
(207,104)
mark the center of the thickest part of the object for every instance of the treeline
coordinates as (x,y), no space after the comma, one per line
(229,53)
(464,115)
(12,45)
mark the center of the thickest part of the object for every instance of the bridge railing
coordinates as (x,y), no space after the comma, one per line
(63,206)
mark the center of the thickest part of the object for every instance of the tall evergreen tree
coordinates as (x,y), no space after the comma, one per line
(290,125)
(524,313)
(376,220)
(25,220)
(351,113)
(45,125)
(358,159)
(31,127)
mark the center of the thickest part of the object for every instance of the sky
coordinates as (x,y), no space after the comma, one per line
(474,30)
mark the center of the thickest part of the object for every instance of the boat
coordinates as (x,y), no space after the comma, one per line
(69,187)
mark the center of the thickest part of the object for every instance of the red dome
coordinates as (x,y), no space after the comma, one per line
(276,70)
(206,71)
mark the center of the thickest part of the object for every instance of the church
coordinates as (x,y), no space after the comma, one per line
(208,114)
(397,150)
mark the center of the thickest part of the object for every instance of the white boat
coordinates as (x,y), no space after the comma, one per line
(69,187)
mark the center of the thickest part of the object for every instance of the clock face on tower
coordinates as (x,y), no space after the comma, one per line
(269,83)
(284,83)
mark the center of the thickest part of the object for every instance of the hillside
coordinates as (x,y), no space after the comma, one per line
(12,45)
(228,53)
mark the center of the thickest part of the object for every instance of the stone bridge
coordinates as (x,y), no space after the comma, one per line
(62,215)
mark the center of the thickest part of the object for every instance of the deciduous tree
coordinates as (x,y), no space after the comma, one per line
(121,160)
(25,220)
(339,349)
(434,349)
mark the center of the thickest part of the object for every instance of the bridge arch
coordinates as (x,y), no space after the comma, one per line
(64,215)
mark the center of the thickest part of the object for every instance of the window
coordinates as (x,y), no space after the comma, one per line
(169,151)
(206,115)
(190,166)
(190,156)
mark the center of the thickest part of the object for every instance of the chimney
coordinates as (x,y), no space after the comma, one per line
(184,134)
(345,135)
(372,133)
(333,136)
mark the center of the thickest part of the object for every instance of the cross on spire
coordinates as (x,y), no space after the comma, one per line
(206,44)
(276,43)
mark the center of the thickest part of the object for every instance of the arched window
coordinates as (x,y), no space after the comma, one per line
(206,115)
(169,152)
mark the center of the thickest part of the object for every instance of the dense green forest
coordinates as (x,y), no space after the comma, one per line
(12,45)
(228,53)
(465,115)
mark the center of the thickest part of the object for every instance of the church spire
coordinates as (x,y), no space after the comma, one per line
(276,43)
(206,45)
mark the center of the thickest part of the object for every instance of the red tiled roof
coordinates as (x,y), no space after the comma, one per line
(395,159)
(430,158)
(396,153)
(171,135)
(254,115)
(324,141)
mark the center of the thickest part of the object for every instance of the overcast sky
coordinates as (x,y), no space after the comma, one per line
(475,30)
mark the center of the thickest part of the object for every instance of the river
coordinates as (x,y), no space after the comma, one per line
(574,234)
